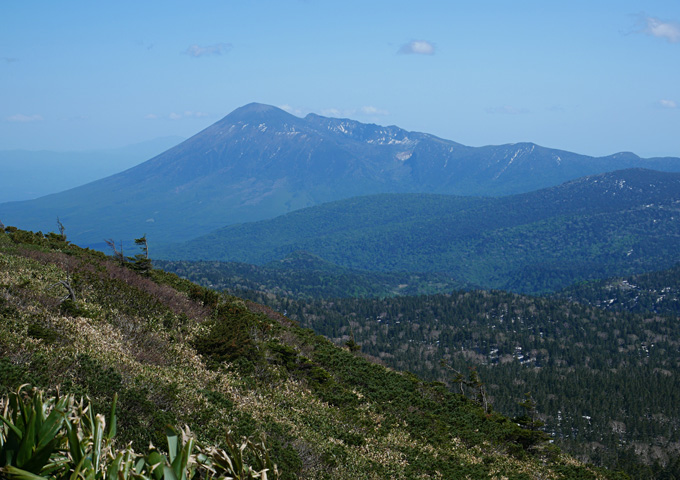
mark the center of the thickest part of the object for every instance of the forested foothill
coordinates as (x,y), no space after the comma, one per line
(614,224)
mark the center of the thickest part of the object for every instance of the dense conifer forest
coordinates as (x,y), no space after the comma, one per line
(653,292)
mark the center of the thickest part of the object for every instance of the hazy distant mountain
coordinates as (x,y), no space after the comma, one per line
(595,227)
(29,174)
(259,162)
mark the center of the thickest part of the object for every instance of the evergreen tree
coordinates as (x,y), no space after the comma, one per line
(141,262)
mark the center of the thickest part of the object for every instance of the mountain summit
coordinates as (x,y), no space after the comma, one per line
(260,161)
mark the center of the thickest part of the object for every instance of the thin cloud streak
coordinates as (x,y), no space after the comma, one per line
(371,110)
(417,47)
(197,51)
(177,116)
(21,118)
(506,110)
(367,110)
(292,110)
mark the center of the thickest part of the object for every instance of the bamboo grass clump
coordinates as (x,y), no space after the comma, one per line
(59,438)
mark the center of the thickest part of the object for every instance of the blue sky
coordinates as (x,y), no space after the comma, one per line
(594,77)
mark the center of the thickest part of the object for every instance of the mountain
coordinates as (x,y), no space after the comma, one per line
(173,353)
(259,162)
(595,227)
(28,174)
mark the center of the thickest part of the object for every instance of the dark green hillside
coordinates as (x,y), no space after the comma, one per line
(654,292)
(591,228)
(302,275)
(604,383)
(338,227)
(178,353)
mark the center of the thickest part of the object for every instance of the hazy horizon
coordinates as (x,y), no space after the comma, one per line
(591,78)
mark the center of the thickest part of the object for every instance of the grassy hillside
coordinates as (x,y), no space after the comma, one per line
(178,353)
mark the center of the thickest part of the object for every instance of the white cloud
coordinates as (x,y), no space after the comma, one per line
(506,110)
(668,103)
(216,49)
(151,116)
(655,27)
(371,110)
(187,114)
(335,112)
(368,110)
(21,118)
(417,47)
(292,110)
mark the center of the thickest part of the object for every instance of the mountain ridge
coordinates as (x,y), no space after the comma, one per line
(259,162)
(598,226)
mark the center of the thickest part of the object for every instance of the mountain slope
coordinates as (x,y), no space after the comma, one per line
(259,162)
(595,227)
(177,353)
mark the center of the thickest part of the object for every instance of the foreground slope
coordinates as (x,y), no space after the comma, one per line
(594,227)
(259,162)
(178,353)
